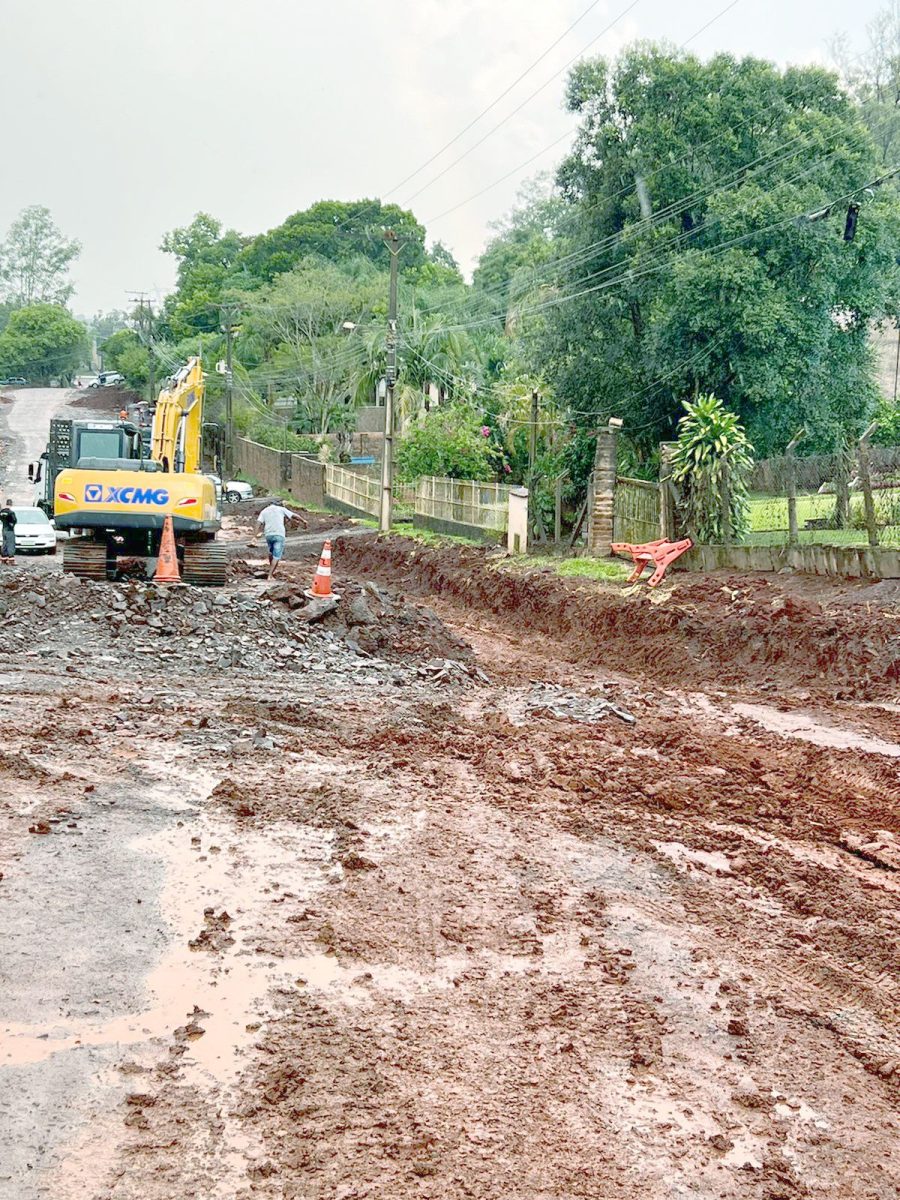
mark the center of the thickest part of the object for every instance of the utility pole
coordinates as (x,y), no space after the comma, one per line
(532,433)
(146,336)
(151,364)
(229,395)
(387,461)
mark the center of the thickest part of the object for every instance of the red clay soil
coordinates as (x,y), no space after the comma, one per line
(735,630)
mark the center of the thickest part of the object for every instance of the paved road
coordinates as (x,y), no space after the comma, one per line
(27,424)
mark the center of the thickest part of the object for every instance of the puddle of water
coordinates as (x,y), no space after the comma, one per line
(808,729)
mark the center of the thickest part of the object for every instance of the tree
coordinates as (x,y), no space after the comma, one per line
(35,260)
(450,442)
(692,264)
(308,335)
(103,325)
(339,232)
(123,351)
(873,79)
(42,342)
(523,242)
(208,274)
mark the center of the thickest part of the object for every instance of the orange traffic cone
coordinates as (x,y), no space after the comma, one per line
(167,563)
(322,580)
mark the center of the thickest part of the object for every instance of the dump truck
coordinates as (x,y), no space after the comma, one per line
(113,500)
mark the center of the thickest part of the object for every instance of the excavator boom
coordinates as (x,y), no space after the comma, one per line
(178,421)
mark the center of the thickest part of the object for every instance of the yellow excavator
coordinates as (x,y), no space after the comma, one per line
(113,500)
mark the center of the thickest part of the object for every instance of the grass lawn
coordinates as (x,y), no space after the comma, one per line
(769,519)
(604,570)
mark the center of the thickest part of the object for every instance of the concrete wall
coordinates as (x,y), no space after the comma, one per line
(841,561)
(269,468)
(307,481)
(370,419)
(458,528)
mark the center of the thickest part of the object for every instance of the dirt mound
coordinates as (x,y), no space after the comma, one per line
(742,629)
(243,515)
(106,399)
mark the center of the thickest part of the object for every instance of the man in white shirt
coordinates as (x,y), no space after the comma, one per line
(272,519)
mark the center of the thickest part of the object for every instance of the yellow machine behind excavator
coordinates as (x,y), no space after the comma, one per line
(115,508)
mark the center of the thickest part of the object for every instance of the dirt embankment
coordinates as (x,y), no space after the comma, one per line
(738,630)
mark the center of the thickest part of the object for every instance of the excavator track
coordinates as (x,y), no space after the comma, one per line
(87,560)
(205,565)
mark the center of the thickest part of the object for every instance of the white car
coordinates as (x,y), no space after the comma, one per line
(236,490)
(34,531)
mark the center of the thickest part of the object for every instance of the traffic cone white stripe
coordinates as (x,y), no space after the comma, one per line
(322,579)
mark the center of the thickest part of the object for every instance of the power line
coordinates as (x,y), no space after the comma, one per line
(496,100)
(715,250)
(527,100)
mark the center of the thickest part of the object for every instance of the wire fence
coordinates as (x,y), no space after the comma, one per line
(851,498)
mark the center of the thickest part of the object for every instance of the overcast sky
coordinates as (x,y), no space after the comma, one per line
(125,117)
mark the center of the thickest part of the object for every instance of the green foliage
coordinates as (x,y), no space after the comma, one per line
(35,260)
(209,273)
(712,461)
(103,325)
(687,188)
(42,342)
(524,241)
(279,436)
(887,414)
(449,443)
(123,351)
(336,231)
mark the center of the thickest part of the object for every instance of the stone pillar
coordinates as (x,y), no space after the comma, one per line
(603,490)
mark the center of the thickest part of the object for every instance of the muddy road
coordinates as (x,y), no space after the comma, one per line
(426,901)
(25,415)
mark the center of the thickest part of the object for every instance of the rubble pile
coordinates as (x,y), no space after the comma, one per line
(373,621)
(135,625)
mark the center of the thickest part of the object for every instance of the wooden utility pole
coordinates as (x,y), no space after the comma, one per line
(387,458)
(532,433)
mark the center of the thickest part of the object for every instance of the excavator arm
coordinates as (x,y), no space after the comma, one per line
(178,421)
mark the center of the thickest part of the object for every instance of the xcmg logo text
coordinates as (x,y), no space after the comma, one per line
(96,493)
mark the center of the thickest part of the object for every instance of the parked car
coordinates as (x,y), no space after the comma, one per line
(107,379)
(17,382)
(34,531)
(236,490)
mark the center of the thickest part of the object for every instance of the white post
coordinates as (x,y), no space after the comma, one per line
(517,530)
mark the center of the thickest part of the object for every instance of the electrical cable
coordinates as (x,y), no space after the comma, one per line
(495,101)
